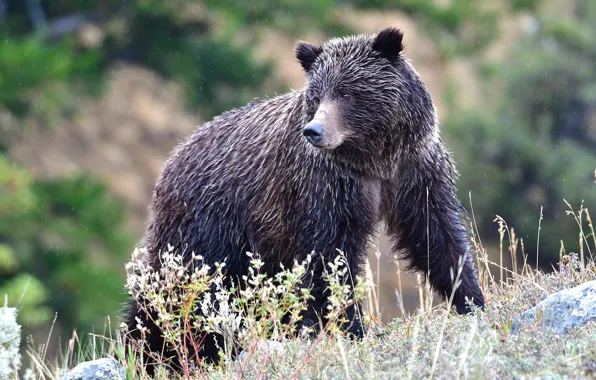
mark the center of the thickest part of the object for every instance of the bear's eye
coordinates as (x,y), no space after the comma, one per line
(346,96)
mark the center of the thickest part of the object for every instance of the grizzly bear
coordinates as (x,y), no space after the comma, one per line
(316,170)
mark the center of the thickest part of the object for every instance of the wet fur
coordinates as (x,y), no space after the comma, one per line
(249,181)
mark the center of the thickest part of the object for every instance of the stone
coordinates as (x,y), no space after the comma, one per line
(562,310)
(100,369)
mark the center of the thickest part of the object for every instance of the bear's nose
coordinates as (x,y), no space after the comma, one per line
(313,132)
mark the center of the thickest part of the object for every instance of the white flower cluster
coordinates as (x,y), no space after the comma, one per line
(191,298)
(10,339)
(344,289)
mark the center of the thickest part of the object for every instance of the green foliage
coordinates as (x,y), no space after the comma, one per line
(155,34)
(535,147)
(521,5)
(16,196)
(290,16)
(458,27)
(16,201)
(8,262)
(217,75)
(20,73)
(31,296)
(62,241)
(83,247)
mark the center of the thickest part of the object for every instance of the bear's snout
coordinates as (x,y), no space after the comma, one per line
(314,132)
(324,131)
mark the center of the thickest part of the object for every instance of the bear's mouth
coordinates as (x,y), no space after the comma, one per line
(324,143)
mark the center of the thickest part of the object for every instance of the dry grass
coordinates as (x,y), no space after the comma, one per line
(429,343)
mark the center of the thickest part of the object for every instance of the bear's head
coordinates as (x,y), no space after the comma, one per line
(363,99)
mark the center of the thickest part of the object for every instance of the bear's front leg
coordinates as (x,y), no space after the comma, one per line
(424,217)
(315,279)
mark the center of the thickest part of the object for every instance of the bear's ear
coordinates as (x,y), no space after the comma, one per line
(307,54)
(389,42)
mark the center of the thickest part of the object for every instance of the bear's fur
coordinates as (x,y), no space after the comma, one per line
(316,170)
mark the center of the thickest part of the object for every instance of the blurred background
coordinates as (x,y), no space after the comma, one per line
(95,94)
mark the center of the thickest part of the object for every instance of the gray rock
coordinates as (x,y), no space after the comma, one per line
(100,369)
(562,310)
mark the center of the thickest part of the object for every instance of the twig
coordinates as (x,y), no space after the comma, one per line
(43,357)
(538,240)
